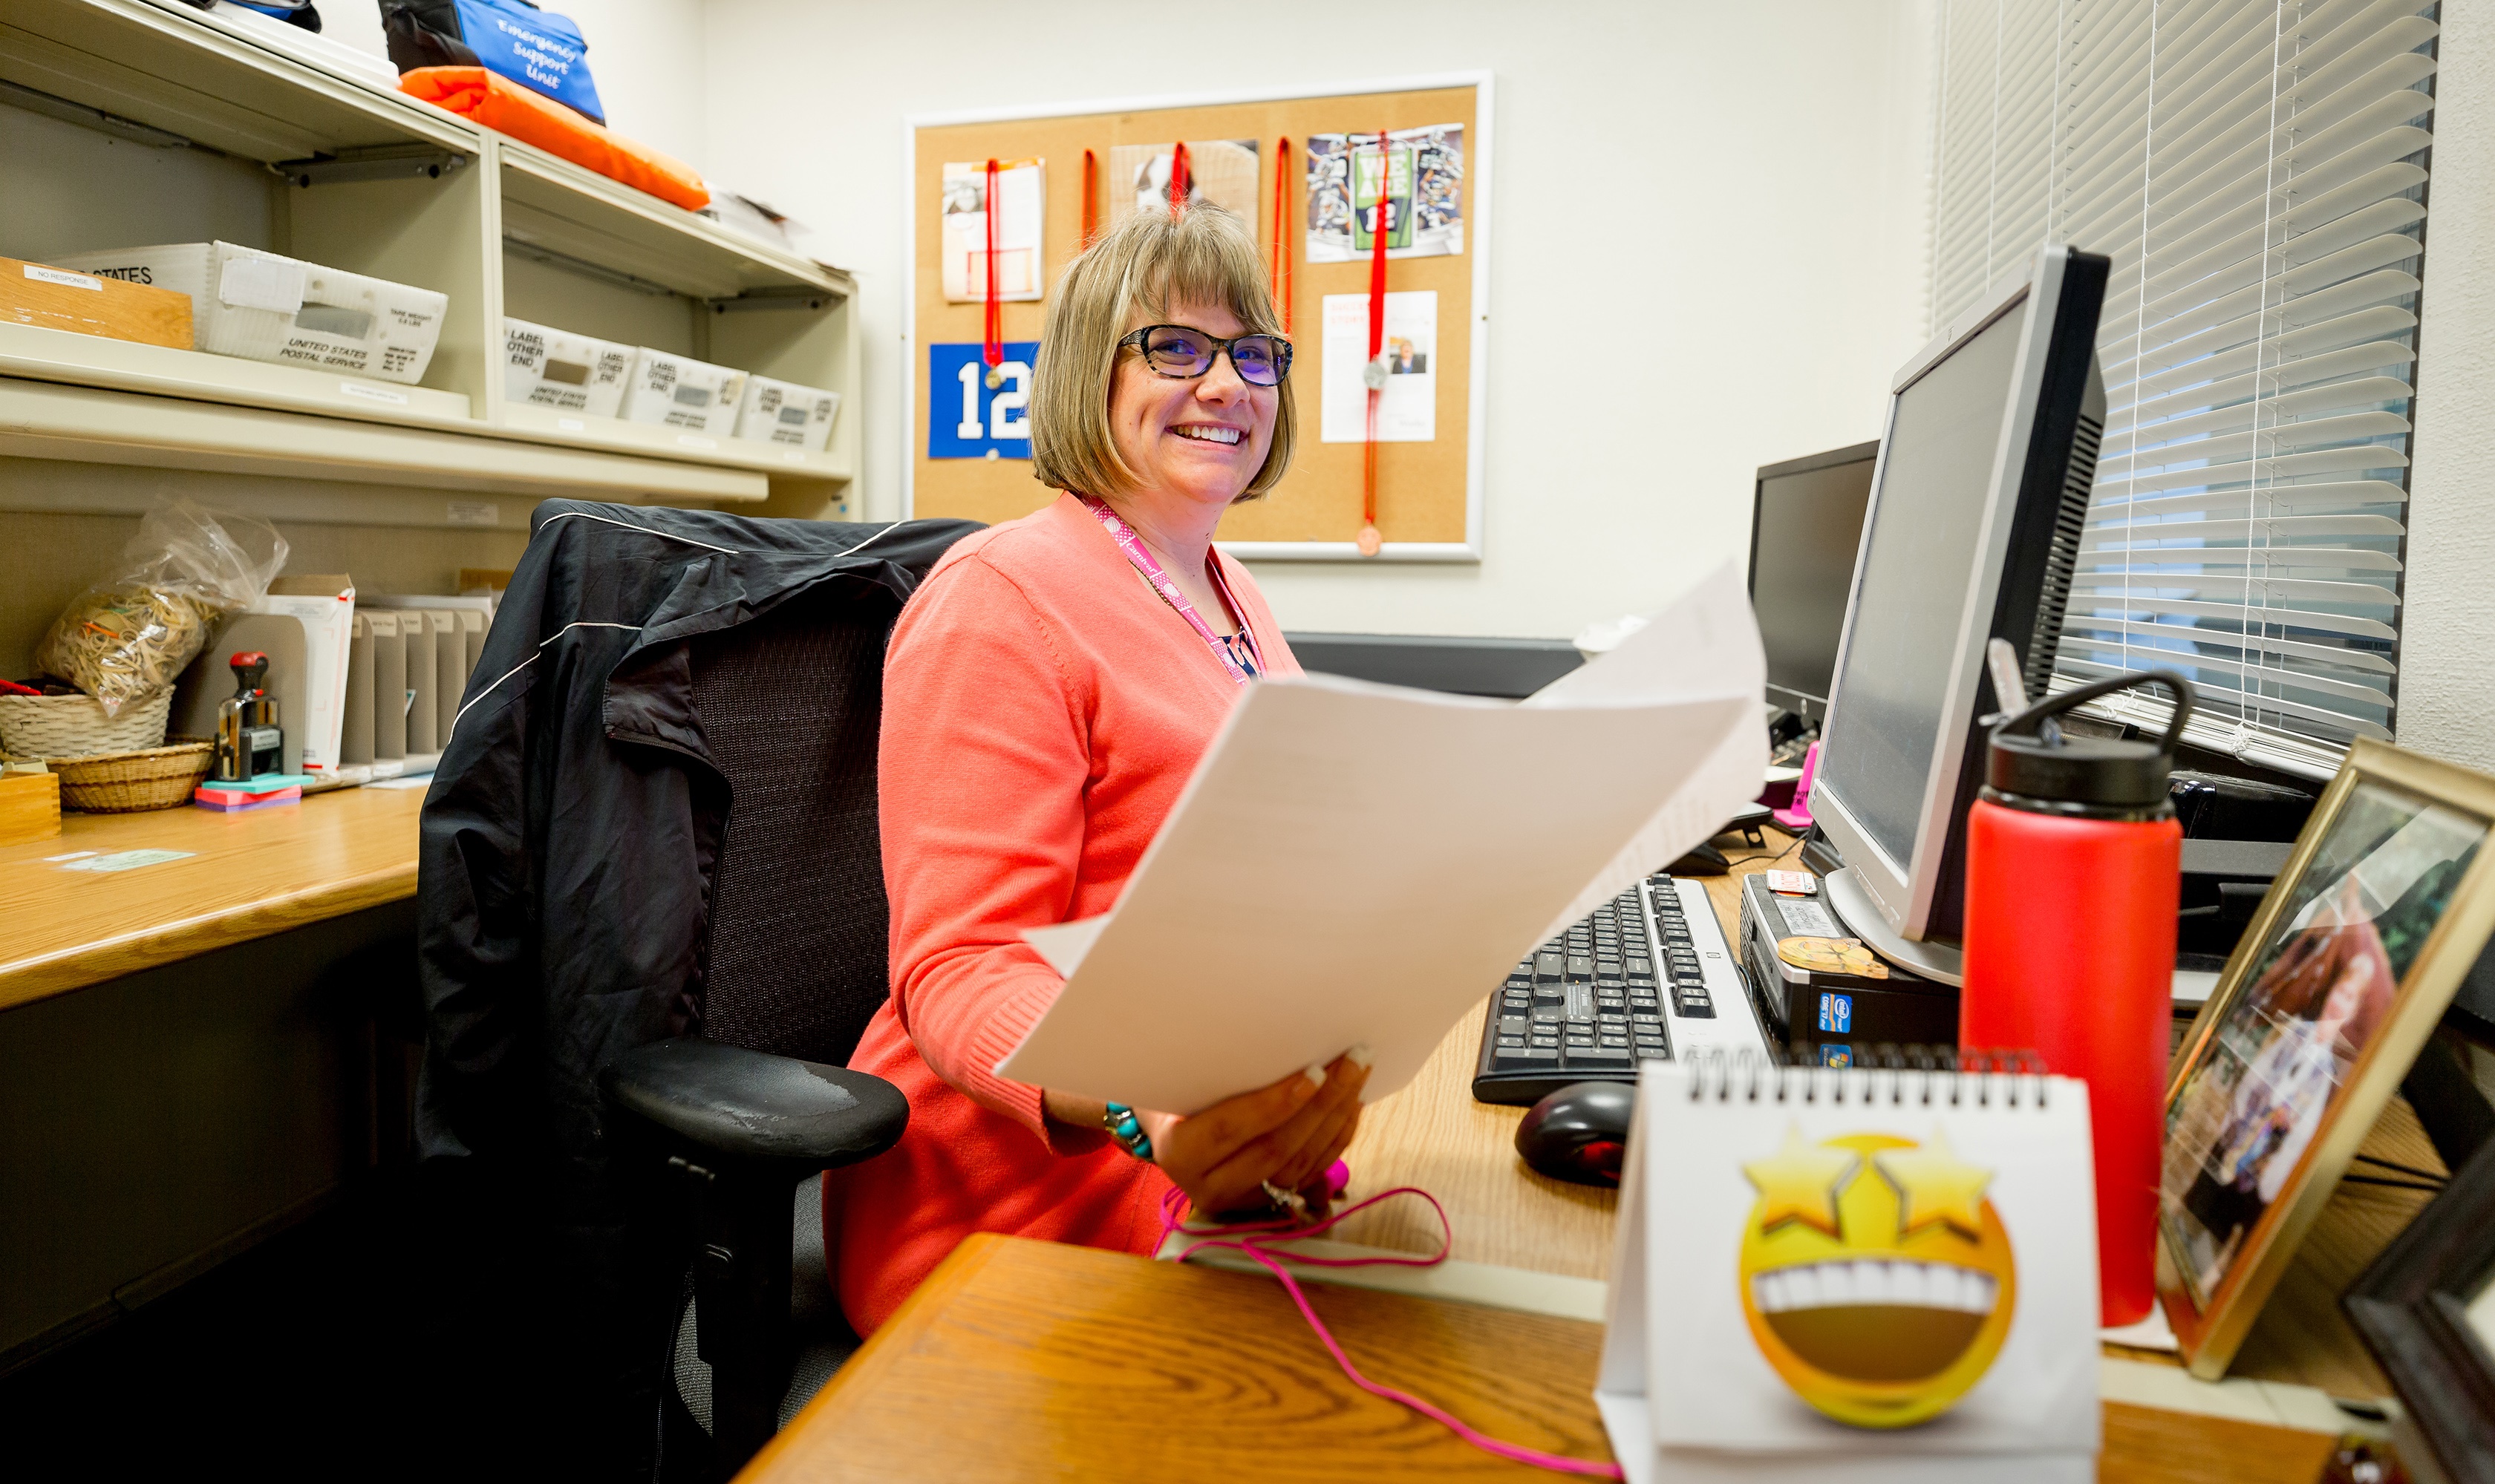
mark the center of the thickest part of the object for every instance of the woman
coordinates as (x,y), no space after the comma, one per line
(1047,692)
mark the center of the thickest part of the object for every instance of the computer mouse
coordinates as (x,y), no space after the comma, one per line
(1579,1133)
(1702,860)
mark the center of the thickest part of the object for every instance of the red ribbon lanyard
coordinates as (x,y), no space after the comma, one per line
(1368,537)
(1178,178)
(1238,652)
(1282,255)
(1091,197)
(992,345)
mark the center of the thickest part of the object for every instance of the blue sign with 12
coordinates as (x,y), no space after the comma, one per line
(967,418)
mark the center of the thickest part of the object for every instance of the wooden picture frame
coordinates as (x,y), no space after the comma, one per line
(2413,1309)
(2343,973)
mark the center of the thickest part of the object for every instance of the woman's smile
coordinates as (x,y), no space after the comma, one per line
(1191,442)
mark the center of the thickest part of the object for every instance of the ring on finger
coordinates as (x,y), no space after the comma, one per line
(1288,1199)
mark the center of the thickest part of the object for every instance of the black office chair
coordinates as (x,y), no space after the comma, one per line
(794,965)
(656,817)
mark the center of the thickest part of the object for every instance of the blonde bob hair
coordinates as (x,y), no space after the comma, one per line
(1204,255)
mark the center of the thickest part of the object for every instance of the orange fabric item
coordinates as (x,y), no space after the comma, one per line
(498,104)
(1042,709)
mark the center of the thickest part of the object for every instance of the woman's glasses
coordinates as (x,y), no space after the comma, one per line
(1182,353)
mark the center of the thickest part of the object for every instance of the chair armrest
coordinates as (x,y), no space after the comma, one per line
(753,1107)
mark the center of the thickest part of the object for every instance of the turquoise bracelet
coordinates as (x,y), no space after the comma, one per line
(1127,1129)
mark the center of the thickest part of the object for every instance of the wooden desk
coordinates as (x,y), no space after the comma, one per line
(211,1080)
(1022,1360)
(1028,1360)
(248,875)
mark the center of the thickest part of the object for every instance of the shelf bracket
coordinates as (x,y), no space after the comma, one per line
(536,253)
(389,162)
(791,297)
(36,102)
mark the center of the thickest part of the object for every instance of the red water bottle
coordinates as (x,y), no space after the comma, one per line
(2074,873)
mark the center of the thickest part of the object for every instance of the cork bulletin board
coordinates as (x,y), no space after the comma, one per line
(1429,492)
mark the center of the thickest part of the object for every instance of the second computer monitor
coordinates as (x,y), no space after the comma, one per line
(1806,528)
(1975,523)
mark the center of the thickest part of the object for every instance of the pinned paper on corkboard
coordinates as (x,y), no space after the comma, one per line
(1021,206)
(1223,171)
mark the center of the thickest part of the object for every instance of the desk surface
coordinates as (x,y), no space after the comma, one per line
(247,875)
(1029,1360)
(1079,1363)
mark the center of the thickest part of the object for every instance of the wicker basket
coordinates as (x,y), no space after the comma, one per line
(128,782)
(75,726)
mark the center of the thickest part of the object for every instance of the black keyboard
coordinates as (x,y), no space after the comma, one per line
(1646,972)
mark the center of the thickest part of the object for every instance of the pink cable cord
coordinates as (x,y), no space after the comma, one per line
(1250,1242)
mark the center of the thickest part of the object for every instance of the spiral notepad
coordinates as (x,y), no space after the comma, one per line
(1865,1274)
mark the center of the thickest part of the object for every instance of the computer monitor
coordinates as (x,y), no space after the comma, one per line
(1806,530)
(1977,507)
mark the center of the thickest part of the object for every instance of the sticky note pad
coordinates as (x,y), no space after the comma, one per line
(227,800)
(265,783)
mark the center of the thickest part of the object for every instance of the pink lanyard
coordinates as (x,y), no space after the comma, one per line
(1238,651)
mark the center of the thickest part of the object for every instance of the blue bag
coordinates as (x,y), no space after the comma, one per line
(294,12)
(537,49)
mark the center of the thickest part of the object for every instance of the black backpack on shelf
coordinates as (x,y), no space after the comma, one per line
(294,12)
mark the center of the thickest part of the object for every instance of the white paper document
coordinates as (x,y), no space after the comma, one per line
(1408,403)
(328,632)
(1021,197)
(1356,863)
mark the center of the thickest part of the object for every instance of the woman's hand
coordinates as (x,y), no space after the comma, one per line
(1286,1135)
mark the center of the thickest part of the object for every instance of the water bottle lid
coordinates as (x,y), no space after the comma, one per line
(2032,761)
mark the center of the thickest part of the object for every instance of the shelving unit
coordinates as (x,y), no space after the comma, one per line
(36,353)
(167,70)
(612,260)
(90,425)
(404,191)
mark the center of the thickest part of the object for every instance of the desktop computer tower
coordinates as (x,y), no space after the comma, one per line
(1822,994)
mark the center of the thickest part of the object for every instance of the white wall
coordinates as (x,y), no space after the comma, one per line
(1737,190)
(2447,642)
(650,59)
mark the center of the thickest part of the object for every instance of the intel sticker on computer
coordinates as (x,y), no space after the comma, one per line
(1836,1014)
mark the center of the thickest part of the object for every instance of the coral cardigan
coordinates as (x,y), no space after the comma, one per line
(1042,709)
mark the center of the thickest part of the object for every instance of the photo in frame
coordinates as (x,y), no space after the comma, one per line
(2345,970)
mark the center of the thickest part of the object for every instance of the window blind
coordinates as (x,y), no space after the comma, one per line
(2257,171)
